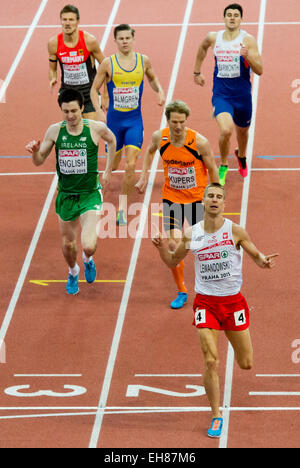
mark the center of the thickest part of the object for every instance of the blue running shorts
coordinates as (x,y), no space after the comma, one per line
(129,131)
(240,108)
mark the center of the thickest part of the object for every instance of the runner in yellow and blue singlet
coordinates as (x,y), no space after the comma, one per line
(124,75)
(125,89)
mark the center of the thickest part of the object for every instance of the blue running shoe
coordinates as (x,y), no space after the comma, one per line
(179,301)
(90,271)
(215,429)
(121,220)
(72,284)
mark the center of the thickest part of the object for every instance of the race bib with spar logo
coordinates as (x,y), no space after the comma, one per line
(215,265)
(73,161)
(182,178)
(126,98)
(229,64)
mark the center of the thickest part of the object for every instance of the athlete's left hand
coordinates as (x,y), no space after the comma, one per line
(161,98)
(244,51)
(269,261)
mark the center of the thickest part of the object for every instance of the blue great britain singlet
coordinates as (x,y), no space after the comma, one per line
(125,88)
(232,72)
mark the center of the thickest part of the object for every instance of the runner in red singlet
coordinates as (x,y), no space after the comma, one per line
(76,52)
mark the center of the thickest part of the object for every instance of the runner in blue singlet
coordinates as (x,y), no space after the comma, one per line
(236,54)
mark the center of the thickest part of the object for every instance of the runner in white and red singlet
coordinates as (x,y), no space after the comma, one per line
(216,243)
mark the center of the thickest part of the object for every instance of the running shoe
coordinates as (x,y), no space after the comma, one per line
(72,284)
(222,174)
(90,271)
(215,429)
(121,220)
(243,170)
(180,300)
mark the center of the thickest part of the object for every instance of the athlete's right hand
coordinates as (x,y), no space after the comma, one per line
(33,146)
(52,84)
(199,79)
(141,184)
(157,240)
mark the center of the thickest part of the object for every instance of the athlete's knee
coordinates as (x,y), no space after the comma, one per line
(130,166)
(246,362)
(89,247)
(226,132)
(69,244)
(211,363)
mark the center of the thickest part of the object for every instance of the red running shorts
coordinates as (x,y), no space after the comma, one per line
(221,312)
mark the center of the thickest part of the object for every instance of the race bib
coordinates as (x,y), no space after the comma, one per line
(215,265)
(182,178)
(76,74)
(229,64)
(126,98)
(72,161)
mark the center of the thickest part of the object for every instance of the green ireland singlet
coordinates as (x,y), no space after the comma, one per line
(77,161)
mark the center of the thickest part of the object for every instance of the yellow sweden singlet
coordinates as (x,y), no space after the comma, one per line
(125,88)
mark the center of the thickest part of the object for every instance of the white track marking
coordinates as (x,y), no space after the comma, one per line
(22,49)
(244,209)
(153,25)
(136,248)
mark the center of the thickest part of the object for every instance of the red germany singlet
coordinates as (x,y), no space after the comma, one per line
(77,68)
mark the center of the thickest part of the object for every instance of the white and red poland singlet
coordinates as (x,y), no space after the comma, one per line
(218,263)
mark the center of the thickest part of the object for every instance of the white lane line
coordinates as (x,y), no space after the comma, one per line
(244,209)
(27,261)
(277,375)
(47,375)
(121,171)
(109,24)
(22,49)
(136,248)
(154,25)
(274,393)
(121,410)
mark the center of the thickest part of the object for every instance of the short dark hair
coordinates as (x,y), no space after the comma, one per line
(69,95)
(123,27)
(234,6)
(70,9)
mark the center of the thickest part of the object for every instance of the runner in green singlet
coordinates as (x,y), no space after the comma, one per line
(79,198)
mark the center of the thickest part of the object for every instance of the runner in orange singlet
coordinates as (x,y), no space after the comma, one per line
(187,156)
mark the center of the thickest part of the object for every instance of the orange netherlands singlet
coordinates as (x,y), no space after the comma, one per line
(185,172)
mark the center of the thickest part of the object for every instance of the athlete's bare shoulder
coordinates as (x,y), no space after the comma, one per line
(210,39)
(52,45)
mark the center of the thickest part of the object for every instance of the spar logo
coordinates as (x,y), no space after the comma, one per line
(213,256)
(209,256)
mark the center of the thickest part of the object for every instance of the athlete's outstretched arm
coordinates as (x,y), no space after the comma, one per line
(242,239)
(40,151)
